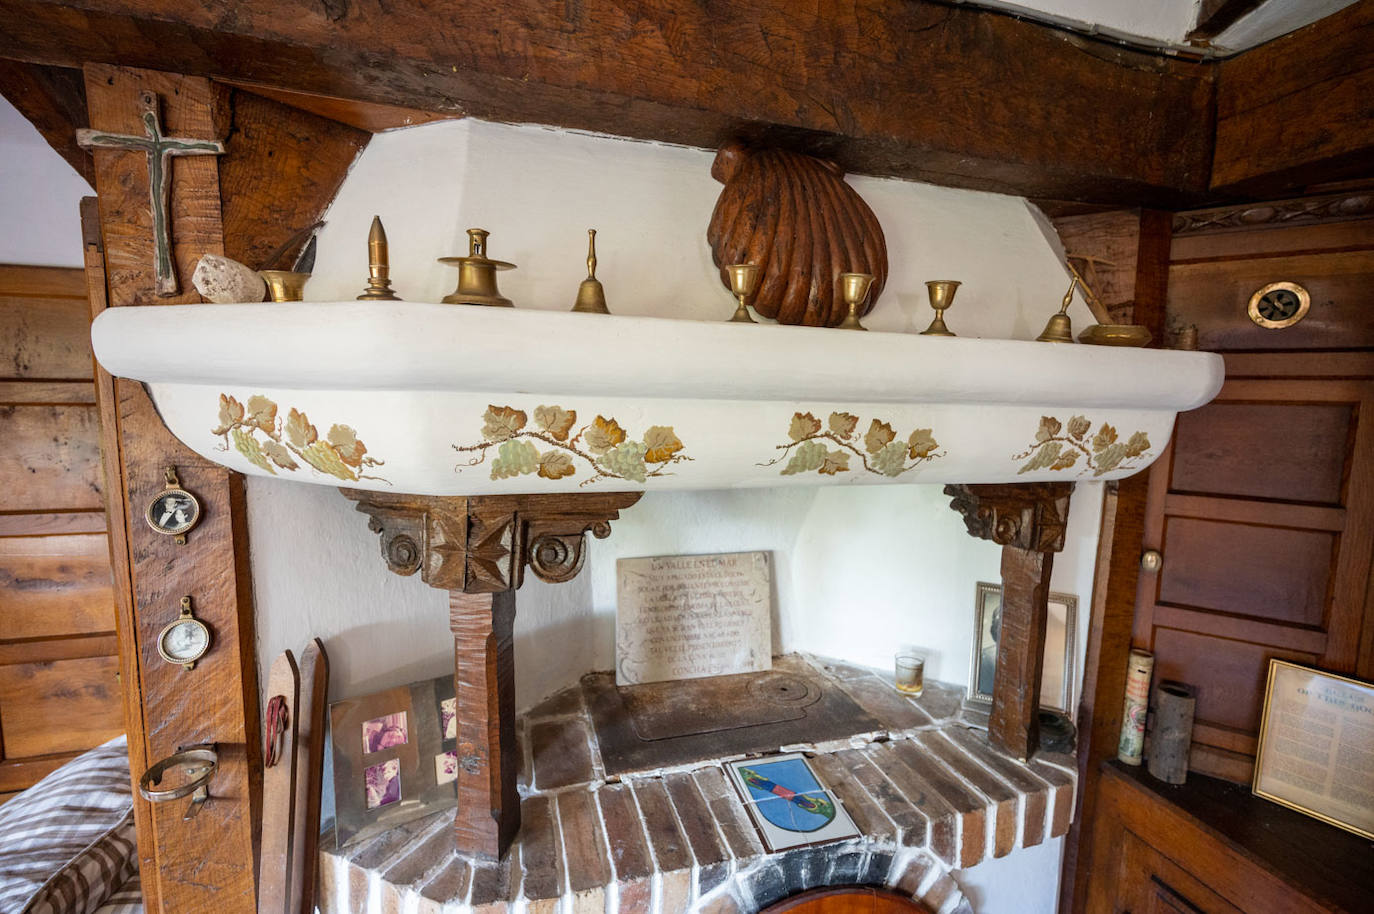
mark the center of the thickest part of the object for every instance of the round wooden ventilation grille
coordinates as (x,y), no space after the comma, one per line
(1279,305)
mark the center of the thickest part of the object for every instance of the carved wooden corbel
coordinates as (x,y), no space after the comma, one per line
(477,548)
(1028,521)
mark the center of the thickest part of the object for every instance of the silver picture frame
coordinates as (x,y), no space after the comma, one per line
(1061,650)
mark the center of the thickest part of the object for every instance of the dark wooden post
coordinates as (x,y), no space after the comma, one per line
(477,549)
(1027,521)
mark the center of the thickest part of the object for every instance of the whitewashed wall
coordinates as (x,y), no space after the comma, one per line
(40,223)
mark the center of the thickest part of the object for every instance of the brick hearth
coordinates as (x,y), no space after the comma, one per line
(927,791)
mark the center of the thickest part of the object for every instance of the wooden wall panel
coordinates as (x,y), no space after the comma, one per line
(1230,448)
(53,586)
(59,705)
(43,336)
(1248,570)
(50,458)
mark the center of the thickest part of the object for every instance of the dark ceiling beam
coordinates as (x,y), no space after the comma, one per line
(1216,16)
(53,99)
(1298,110)
(919,90)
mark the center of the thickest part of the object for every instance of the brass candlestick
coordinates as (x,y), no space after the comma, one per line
(1059,328)
(591,297)
(855,287)
(744,282)
(284,285)
(477,275)
(378,266)
(941,292)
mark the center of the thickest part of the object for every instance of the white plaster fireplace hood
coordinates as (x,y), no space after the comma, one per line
(453,400)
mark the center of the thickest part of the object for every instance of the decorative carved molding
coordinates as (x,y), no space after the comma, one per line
(483,544)
(1337,208)
(1031,516)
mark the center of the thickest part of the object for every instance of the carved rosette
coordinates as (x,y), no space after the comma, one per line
(1031,516)
(483,544)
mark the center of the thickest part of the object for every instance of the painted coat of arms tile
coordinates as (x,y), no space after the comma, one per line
(788,804)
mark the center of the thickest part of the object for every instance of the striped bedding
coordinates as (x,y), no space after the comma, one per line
(127,899)
(67,843)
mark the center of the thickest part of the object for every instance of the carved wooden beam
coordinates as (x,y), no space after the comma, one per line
(1028,521)
(478,549)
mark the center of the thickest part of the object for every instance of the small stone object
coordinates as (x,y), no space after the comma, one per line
(225,281)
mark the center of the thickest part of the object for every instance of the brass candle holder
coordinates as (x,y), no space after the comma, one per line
(1059,328)
(378,266)
(591,297)
(285,285)
(855,288)
(477,275)
(744,282)
(941,292)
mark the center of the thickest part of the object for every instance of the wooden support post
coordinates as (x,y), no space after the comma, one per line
(1028,521)
(477,549)
(484,682)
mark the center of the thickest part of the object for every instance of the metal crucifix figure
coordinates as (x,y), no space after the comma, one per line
(160,150)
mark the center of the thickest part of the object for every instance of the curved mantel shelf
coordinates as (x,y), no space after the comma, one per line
(451,400)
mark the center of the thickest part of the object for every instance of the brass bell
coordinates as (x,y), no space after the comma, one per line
(1059,329)
(591,297)
(477,275)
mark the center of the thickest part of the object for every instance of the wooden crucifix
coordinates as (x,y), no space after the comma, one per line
(160,151)
(477,549)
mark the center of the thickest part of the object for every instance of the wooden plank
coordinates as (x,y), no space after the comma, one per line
(51,523)
(281,171)
(1308,639)
(1112,240)
(1299,365)
(41,282)
(55,585)
(1013,725)
(1027,109)
(28,393)
(67,648)
(1238,511)
(207,862)
(20,773)
(1299,109)
(368,117)
(44,337)
(83,693)
(50,458)
(53,99)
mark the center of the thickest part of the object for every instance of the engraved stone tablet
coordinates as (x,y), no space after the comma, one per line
(687,616)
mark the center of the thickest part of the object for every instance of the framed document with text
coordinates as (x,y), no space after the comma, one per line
(1316,746)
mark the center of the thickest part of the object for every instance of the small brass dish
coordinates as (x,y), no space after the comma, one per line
(1116,335)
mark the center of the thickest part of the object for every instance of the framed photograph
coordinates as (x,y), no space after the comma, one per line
(787,802)
(1316,740)
(395,757)
(1056,682)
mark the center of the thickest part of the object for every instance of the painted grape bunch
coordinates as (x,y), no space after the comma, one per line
(602,445)
(1058,447)
(340,453)
(882,452)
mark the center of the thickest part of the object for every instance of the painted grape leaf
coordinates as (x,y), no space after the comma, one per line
(230,415)
(835,462)
(626,460)
(555,420)
(501,422)
(878,436)
(514,458)
(843,424)
(279,455)
(1105,436)
(1043,457)
(1066,460)
(299,432)
(556,465)
(262,413)
(922,443)
(1137,444)
(891,460)
(247,445)
(603,434)
(1109,457)
(1049,427)
(810,456)
(660,444)
(804,425)
(322,456)
(346,442)
(1078,427)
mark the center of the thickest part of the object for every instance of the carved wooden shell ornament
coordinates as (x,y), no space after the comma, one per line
(796,218)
